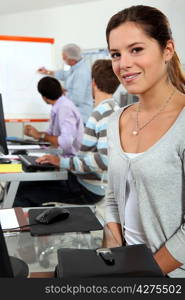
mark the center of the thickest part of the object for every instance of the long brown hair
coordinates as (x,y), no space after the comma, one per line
(156,25)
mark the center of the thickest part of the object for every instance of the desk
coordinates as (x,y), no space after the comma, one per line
(15,178)
(40,252)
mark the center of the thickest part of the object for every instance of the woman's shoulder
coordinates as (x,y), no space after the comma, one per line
(113,123)
(126,109)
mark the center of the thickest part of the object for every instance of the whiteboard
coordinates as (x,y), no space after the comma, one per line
(19,61)
(91,55)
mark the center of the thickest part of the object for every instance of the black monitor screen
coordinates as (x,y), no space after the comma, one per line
(3,144)
(5,265)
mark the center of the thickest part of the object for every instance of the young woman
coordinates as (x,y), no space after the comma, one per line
(146,191)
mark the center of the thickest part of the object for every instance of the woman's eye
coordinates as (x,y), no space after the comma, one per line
(115,55)
(136,50)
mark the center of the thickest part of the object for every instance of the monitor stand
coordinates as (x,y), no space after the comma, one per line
(20,268)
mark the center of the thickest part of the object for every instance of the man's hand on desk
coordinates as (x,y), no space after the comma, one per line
(49,158)
(32,131)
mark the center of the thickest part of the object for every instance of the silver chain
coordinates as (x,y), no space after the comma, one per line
(138,129)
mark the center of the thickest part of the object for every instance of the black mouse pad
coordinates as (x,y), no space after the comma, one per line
(81,219)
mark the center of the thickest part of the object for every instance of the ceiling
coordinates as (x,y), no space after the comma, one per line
(15,6)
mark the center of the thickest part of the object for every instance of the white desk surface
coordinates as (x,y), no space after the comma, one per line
(15,178)
(31,176)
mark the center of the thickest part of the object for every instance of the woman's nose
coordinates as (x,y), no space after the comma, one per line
(126,61)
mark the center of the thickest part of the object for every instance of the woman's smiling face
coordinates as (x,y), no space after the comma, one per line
(137,59)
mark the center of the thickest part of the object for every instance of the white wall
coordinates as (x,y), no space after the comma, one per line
(85,23)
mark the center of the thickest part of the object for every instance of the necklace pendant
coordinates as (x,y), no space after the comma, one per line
(135,132)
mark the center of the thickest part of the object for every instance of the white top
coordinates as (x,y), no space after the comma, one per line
(134,233)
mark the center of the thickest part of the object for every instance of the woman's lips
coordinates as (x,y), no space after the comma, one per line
(129,76)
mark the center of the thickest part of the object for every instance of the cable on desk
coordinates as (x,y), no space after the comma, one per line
(19,227)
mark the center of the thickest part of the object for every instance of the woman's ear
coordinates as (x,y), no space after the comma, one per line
(169,51)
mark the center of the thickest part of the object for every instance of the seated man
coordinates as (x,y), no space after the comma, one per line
(66,127)
(86,170)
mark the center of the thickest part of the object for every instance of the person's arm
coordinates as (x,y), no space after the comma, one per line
(112,217)
(49,158)
(45,71)
(112,235)
(61,74)
(29,130)
(58,74)
(52,139)
(78,163)
(172,254)
(93,154)
(166,261)
(67,123)
(67,127)
(80,89)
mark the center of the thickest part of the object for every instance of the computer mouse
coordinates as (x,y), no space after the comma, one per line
(52,215)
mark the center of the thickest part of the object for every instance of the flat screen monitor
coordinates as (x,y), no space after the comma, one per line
(10,266)
(3,143)
(5,265)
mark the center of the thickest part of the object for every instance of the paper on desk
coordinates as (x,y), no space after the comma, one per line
(8,218)
(10,168)
(23,147)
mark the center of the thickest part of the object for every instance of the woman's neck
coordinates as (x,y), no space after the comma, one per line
(154,98)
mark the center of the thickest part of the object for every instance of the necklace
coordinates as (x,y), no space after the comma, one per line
(138,129)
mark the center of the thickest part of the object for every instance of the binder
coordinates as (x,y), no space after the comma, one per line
(129,261)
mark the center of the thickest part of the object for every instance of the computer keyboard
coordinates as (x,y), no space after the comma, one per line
(21,141)
(29,164)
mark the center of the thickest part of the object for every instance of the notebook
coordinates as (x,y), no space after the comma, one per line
(10,168)
(12,218)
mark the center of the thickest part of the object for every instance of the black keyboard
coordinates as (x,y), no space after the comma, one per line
(29,164)
(22,141)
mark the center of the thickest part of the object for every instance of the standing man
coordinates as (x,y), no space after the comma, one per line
(66,126)
(87,170)
(77,80)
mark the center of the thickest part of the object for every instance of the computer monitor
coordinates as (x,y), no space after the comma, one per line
(5,265)
(10,266)
(3,143)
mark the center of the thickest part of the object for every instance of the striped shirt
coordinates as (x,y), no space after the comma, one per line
(90,164)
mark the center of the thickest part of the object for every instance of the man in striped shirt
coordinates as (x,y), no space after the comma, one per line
(87,170)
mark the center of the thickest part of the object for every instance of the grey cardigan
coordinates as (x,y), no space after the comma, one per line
(159,175)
